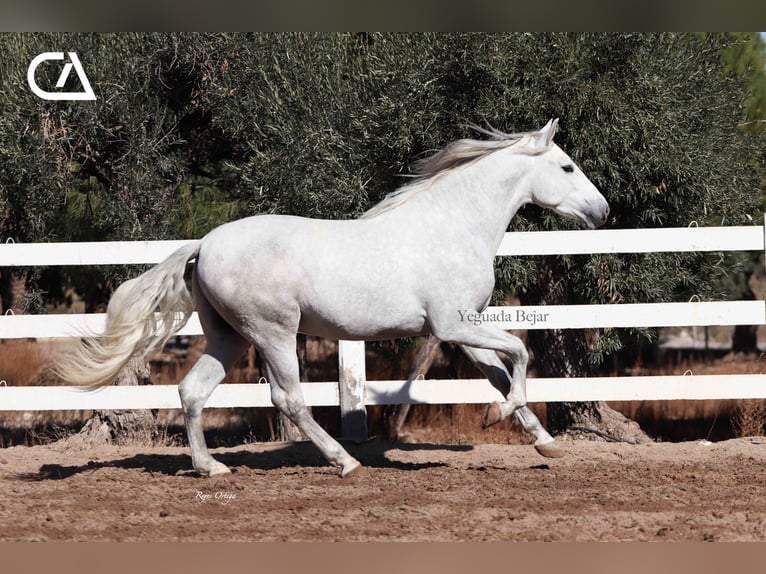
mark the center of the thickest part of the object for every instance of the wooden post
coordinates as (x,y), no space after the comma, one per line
(351,380)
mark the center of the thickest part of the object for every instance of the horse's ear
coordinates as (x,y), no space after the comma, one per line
(549,131)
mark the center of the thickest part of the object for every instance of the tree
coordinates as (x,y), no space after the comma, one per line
(652,119)
(746,57)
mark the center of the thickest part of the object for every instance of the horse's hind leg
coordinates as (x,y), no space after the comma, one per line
(514,390)
(224,346)
(287,396)
(195,389)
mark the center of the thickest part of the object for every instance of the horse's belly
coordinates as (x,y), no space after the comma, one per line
(365,323)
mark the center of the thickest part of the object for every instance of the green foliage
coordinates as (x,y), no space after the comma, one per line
(201,208)
(746,58)
(326,120)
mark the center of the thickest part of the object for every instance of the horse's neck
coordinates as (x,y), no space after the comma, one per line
(477,200)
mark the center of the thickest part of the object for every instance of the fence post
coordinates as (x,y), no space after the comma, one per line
(351,380)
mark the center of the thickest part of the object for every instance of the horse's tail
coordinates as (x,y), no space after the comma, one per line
(143,313)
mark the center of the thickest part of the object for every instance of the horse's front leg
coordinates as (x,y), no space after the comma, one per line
(513,389)
(480,343)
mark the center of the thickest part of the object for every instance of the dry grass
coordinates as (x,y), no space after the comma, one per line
(22,359)
(722,417)
(749,419)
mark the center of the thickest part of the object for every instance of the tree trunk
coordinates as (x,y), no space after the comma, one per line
(122,427)
(397,414)
(12,290)
(563,353)
(745,337)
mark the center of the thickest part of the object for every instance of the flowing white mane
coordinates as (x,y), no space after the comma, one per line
(451,157)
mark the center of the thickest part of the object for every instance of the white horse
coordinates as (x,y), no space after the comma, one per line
(411,265)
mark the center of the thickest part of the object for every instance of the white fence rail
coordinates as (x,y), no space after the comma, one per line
(359,392)
(700,314)
(433,391)
(670,239)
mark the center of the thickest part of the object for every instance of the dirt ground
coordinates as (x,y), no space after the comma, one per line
(600,491)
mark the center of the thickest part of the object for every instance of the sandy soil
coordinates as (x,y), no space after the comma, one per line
(278,491)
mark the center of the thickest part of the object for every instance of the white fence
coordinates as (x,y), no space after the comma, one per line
(355,391)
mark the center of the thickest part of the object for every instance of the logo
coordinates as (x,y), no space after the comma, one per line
(74,62)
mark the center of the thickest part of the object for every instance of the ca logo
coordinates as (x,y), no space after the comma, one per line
(74,61)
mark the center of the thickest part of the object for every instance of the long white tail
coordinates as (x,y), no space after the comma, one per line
(142,314)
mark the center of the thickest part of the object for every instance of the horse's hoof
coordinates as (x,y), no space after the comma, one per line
(550,450)
(493,415)
(216,469)
(353,471)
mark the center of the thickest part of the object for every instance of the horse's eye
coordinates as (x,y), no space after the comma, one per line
(568,168)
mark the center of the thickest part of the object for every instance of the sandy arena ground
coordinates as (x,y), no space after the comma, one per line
(426,492)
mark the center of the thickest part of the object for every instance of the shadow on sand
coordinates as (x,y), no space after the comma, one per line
(371,454)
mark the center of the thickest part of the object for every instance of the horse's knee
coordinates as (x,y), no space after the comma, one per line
(290,405)
(278,398)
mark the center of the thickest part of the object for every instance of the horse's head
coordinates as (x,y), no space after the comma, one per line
(557,183)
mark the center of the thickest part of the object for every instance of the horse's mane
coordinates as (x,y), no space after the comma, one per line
(451,157)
